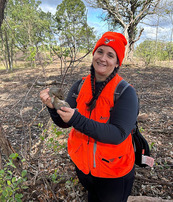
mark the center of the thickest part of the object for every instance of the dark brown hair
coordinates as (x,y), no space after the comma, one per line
(92,103)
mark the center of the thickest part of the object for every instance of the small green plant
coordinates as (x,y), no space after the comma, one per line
(71,183)
(42,136)
(141,130)
(40,125)
(11,184)
(56,131)
(54,176)
(151,145)
(53,142)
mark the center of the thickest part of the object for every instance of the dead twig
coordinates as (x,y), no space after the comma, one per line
(54,195)
(81,58)
(161,182)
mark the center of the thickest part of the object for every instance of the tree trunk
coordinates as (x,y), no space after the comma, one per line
(8,51)
(4,51)
(2,7)
(12,53)
(128,45)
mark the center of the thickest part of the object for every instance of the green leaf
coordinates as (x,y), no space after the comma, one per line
(8,177)
(24,173)
(20,180)
(13,179)
(23,160)
(51,139)
(11,164)
(9,189)
(8,182)
(4,193)
(58,133)
(25,187)
(2,171)
(18,197)
(14,155)
(9,172)
(42,137)
(68,182)
(18,200)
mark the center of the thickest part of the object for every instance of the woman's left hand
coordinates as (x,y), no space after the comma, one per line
(66,113)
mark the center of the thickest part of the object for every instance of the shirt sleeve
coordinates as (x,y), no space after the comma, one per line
(71,100)
(122,120)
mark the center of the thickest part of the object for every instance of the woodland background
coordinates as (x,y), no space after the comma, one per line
(39,50)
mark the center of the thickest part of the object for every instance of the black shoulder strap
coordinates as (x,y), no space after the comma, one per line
(74,95)
(121,87)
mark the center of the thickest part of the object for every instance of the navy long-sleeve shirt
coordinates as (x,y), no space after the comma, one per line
(122,117)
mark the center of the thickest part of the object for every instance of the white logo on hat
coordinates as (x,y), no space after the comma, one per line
(108,40)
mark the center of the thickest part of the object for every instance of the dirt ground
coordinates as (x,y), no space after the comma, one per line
(20,105)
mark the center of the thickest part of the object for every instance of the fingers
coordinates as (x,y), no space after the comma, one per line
(44,94)
(45,98)
(66,113)
(66,109)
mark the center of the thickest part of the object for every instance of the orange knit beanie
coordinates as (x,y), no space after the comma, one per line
(115,40)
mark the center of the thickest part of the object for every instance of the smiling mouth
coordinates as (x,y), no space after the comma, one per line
(100,64)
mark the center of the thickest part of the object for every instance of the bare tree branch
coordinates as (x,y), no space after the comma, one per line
(127,15)
(138,36)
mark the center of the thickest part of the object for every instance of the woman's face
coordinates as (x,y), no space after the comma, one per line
(104,62)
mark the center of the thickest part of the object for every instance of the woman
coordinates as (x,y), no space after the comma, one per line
(100,143)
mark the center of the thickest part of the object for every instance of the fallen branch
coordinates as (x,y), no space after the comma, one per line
(154,181)
(49,187)
(164,131)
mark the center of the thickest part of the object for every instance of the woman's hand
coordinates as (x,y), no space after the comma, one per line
(45,98)
(66,113)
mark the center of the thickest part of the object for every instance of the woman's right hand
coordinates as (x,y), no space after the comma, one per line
(45,98)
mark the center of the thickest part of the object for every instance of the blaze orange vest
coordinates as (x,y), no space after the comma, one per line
(91,156)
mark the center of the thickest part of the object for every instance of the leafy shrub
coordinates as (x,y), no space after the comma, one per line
(10,183)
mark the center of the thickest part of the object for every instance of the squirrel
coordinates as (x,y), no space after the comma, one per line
(57,98)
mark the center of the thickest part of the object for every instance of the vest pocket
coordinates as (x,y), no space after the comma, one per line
(111,167)
(105,160)
(111,161)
